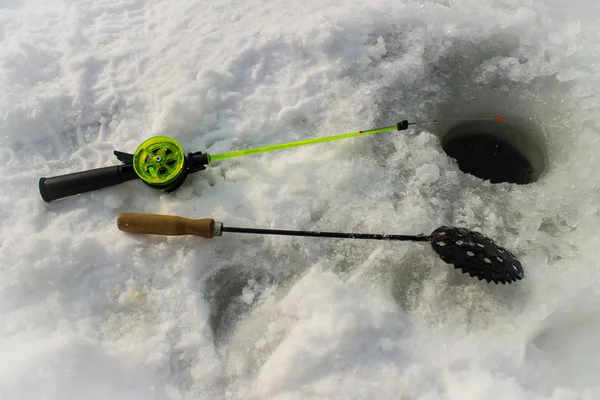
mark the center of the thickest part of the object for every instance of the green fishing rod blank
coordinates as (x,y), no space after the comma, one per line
(400,126)
(241,153)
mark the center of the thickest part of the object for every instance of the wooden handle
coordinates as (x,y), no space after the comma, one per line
(156,224)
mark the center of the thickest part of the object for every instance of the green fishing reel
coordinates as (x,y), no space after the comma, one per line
(160,162)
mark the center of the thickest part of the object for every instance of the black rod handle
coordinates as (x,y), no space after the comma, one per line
(67,185)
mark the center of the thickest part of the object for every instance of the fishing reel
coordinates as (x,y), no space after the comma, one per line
(160,162)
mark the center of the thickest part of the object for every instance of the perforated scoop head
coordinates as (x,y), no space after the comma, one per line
(476,255)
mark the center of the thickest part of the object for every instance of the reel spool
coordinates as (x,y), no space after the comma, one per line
(160,163)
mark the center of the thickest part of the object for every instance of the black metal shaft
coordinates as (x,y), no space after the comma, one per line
(341,235)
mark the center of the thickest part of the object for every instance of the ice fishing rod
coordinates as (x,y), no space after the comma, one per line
(161,163)
(469,251)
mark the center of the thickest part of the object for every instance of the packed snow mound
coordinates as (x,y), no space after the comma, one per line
(90,312)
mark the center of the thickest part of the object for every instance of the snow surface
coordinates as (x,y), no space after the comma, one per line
(89,312)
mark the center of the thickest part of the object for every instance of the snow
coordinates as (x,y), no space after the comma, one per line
(92,313)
